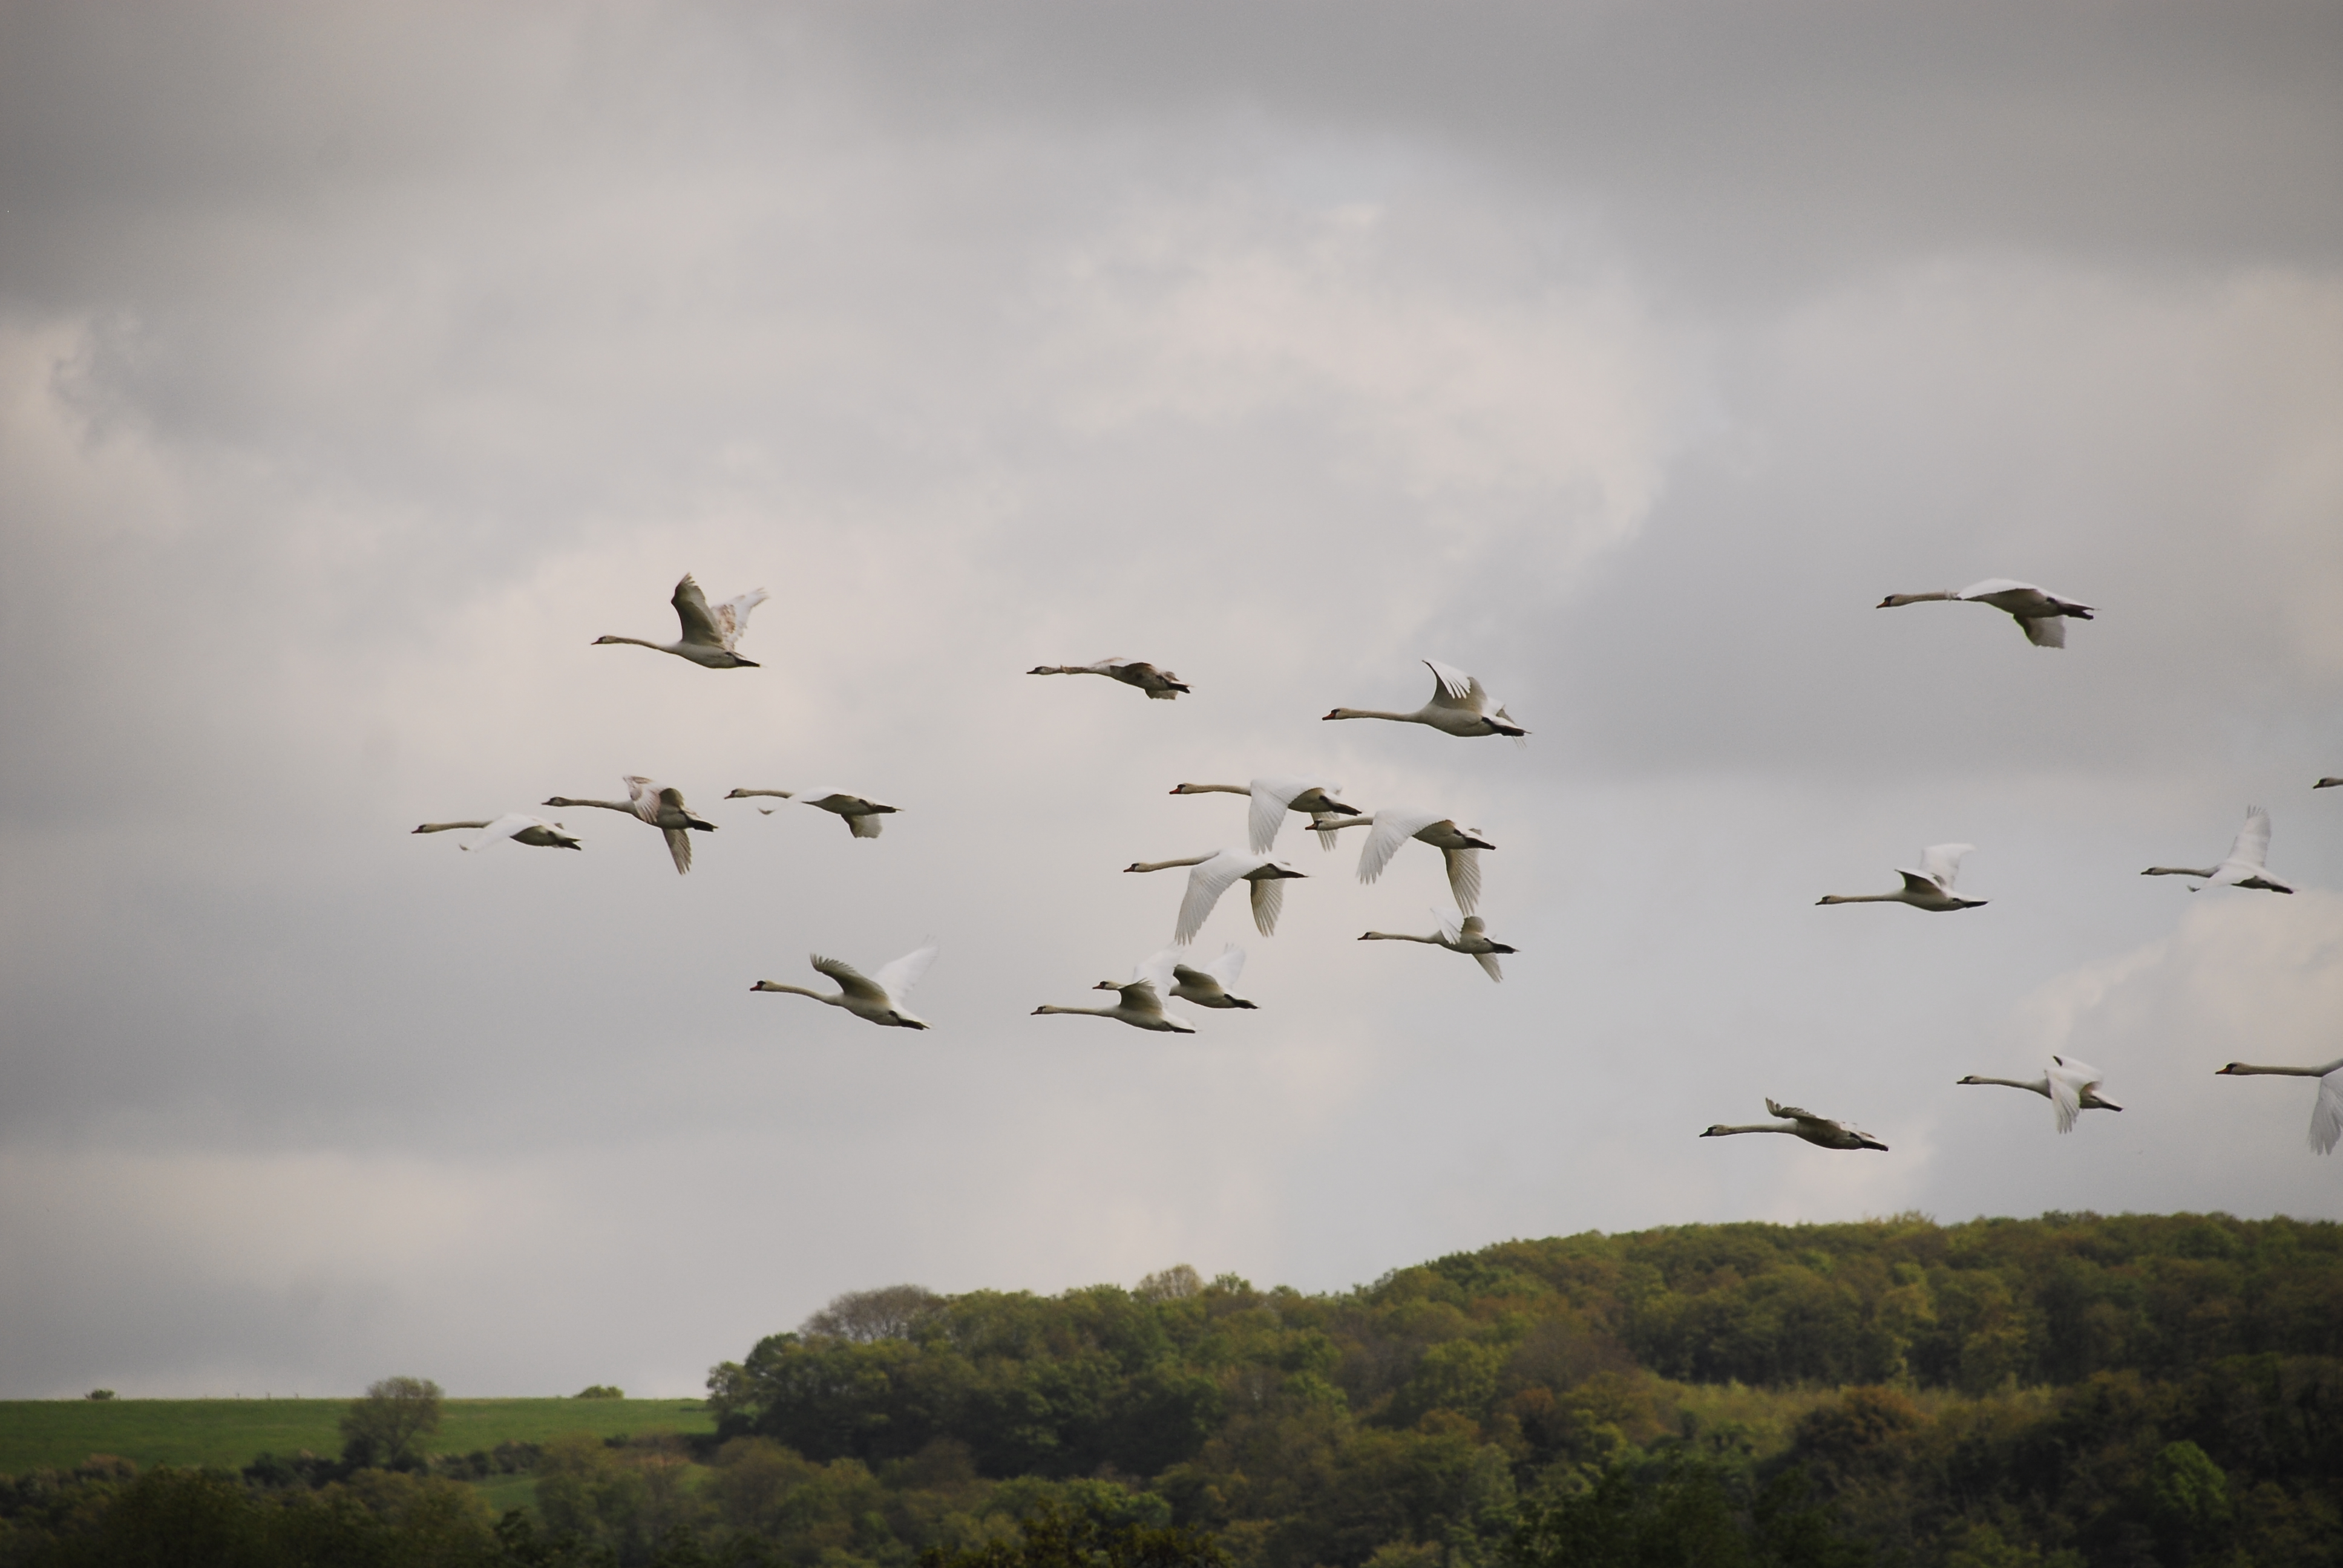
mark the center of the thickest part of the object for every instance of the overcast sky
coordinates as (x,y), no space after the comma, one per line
(359,366)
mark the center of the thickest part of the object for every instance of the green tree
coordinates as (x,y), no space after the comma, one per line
(386,1427)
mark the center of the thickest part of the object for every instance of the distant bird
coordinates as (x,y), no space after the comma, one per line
(1393,826)
(2327,1116)
(1460,705)
(517,825)
(1154,680)
(2071,1086)
(662,806)
(2327,783)
(2243,868)
(1273,797)
(709,635)
(1205,984)
(2039,614)
(1819,1130)
(877,999)
(1467,936)
(1138,1005)
(1213,875)
(862,814)
(1930,888)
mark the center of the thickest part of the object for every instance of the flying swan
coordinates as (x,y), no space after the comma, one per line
(1930,888)
(2039,615)
(862,814)
(877,999)
(1138,1005)
(2243,868)
(660,805)
(1393,826)
(1213,875)
(2071,1086)
(1154,680)
(1467,936)
(1205,984)
(709,635)
(1819,1130)
(1460,705)
(516,825)
(2327,1116)
(1273,799)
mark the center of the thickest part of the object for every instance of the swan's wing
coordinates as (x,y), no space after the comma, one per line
(2043,631)
(1919,882)
(678,844)
(2067,1086)
(1394,827)
(1451,687)
(1271,797)
(853,981)
(1793,1113)
(2327,1116)
(1452,926)
(644,795)
(898,978)
(691,609)
(1942,862)
(1140,996)
(1206,882)
(1156,970)
(2252,848)
(1464,876)
(1268,899)
(865,825)
(1488,962)
(1992,586)
(731,617)
(504,827)
(1327,826)
(1228,965)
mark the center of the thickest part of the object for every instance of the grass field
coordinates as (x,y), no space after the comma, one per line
(227,1432)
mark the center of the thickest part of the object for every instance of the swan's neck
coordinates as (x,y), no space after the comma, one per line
(1376,713)
(1861,898)
(444,827)
(1212,789)
(743,794)
(638,642)
(2241,1069)
(2178,871)
(2040,1086)
(625,806)
(1892,600)
(1082,1011)
(792,990)
(1168,865)
(1789,1127)
(1401,937)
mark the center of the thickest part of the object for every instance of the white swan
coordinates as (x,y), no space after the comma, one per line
(516,825)
(860,812)
(2243,868)
(2039,614)
(1273,799)
(709,634)
(1460,705)
(2327,1116)
(1393,826)
(1138,1005)
(877,999)
(2070,1086)
(1819,1130)
(1213,875)
(662,806)
(1151,678)
(1467,936)
(1930,888)
(1206,984)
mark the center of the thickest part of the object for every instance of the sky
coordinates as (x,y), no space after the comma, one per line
(360,365)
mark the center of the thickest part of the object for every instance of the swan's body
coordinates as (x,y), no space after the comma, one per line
(708,632)
(2243,868)
(1213,875)
(1205,984)
(1819,1130)
(1467,936)
(860,812)
(1460,847)
(1273,799)
(662,806)
(517,825)
(877,999)
(1460,705)
(1138,1005)
(1151,678)
(1930,888)
(2327,1116)
(2071,1086)
(2039,615)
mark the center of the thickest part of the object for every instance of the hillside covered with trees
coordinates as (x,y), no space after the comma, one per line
(2069,1390)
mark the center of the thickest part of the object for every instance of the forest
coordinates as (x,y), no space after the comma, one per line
(2069,1390)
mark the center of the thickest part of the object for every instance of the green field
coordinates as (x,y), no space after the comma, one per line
(227,1432)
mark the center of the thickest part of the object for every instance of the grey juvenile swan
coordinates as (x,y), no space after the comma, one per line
(1819,1130)
(660,805)
(709,633)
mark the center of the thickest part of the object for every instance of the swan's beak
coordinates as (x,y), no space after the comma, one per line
(1329,716)
(1716,1131)
(2225,1071)
(1106,985)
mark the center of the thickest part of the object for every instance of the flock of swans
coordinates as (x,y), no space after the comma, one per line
(1459,706)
